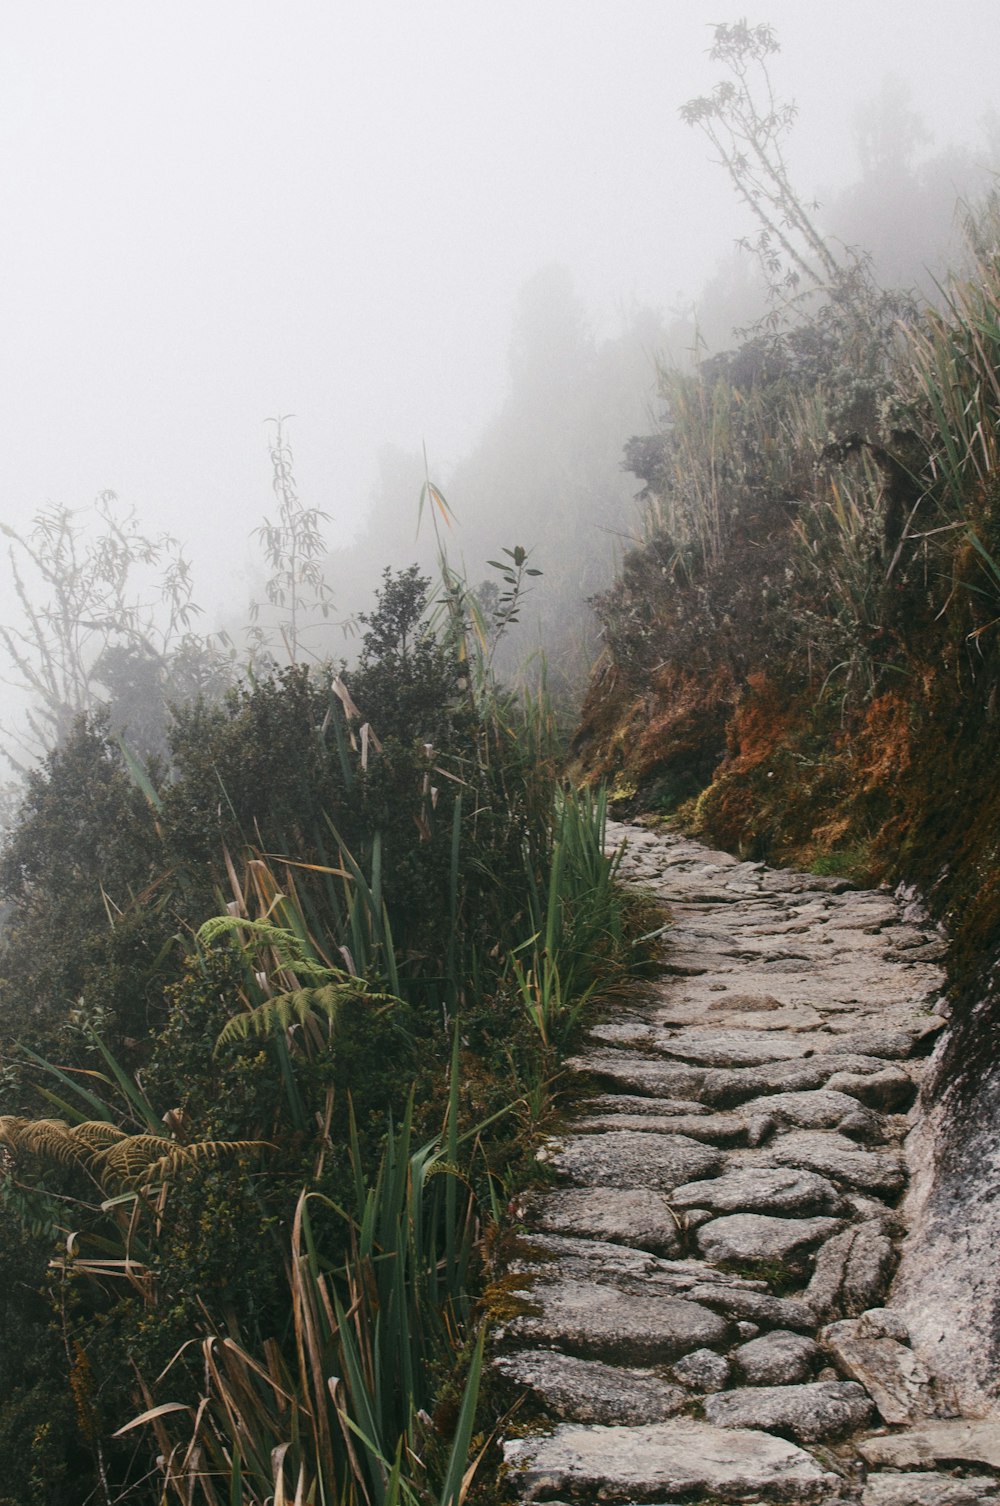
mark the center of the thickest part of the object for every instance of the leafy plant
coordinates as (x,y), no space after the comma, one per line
(98,607)
(295,549)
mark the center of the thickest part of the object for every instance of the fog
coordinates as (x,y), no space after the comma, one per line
(215,212)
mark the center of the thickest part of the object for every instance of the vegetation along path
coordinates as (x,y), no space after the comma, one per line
(712,1309)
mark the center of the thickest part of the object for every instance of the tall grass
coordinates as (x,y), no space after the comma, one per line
(956,367)
(340,1415)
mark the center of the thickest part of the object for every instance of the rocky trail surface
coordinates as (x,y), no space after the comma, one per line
(705,1302)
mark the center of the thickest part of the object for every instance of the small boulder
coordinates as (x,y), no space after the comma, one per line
(890,1372)
(702,1370)
(780,1358)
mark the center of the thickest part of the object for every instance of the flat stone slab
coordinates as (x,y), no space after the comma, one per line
(740,1237)
(931,1489)
(635,1103)
(681,1457)
(640,1074)
(576,1390)
(738,1303)
(727,1087)
(810,1413)
(713,1129)
(958,1442)
(762,1189)
(593,1320)
(737,1048)
(622,1215)
(833,1156)
(632,1158)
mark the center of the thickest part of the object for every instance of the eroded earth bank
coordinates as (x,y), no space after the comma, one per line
(733,1291)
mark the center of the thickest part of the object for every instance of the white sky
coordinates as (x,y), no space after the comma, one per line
(217,210)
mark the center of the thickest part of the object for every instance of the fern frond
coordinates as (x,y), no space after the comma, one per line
(253,935)
(108,1153)
(141,1159)
(55,1141)
(298,1007)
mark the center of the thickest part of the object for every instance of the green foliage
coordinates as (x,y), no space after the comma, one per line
(88,919)
(375,862)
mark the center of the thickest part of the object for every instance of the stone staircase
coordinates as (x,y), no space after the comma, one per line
(704,1302)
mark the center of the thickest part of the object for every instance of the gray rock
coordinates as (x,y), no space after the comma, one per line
(630,1216)
(869,1210)
(736,1003)
(931,1489)
(727,1088)
(761,1189)
(895,1045)
(948,1284)
(635,1103)
(747,1237)
(714,1129)
(737,1048)
(757,1307)
(891,1090)
(631,1158)
(621,1032)
(595,1321)
(823,1108)
(640,1074)
(780,1358)
(891,1373)
(577,1390)
(810,1413)
(679,1457)
(957,1442)
(831,1155)
(703,1370)
(787,881)
(852,1272)
(587,1259)
(883,1323)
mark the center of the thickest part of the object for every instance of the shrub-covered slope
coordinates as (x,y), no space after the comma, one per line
(802,661)
(802,658)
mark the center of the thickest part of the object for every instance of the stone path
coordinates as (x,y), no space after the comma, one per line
(705,1292)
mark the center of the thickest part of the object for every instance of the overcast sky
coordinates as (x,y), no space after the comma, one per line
(218,210)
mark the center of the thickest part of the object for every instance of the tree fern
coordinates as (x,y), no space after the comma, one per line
(289,947)
(300,1006)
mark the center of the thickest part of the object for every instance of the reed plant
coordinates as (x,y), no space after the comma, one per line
(340,1413)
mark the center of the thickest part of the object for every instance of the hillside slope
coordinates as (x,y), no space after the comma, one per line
(801,661)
